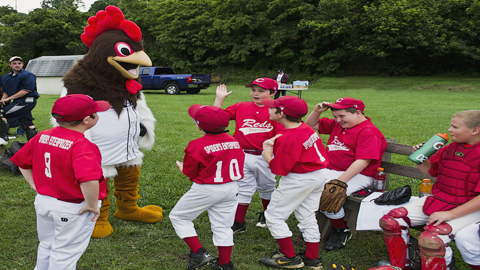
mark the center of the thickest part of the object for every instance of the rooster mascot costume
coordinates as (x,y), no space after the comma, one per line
(109,71)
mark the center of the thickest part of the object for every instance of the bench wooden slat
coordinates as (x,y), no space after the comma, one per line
(402,170)
(397,148)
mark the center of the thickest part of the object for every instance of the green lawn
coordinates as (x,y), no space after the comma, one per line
(410,109)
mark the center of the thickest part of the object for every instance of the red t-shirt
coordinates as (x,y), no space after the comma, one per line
(298,150)
(61,159)
(363,141)
(253,125)
(214,159)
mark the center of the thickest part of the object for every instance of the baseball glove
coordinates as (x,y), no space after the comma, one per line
(333,196)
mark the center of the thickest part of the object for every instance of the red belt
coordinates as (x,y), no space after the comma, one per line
(253,152)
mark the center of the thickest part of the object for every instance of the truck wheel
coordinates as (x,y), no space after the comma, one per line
(193,91)
(172,89)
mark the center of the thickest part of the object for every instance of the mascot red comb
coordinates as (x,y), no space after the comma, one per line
(109,71)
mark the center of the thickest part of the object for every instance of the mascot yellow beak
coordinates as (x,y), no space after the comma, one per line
(137,58)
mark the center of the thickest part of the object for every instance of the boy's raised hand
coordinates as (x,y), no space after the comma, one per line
(222,91)
(322,107)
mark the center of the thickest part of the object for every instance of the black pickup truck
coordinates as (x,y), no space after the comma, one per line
(156,78)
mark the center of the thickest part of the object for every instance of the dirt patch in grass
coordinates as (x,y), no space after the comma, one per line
(447,87)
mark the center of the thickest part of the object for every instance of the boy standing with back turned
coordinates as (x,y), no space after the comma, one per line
(64,168)
(213,163)
(252,128)
(355,149)
(300,158)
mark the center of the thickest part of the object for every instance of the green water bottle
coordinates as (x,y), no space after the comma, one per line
(429,148)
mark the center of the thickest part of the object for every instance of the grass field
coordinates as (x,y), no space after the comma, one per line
(408,109)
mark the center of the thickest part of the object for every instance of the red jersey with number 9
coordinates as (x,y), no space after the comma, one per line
(214,159)
(61,159)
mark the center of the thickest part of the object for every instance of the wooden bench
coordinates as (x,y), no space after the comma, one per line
(352,205)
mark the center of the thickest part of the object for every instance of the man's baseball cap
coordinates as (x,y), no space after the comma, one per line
(265,83)
(15,58)
(348,102)
(77,106)
(289,105)
(209,118)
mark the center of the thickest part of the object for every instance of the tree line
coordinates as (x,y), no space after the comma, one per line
(324,37)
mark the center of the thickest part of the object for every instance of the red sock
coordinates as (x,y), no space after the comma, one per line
(265,204)
(193,243)
(286,247)
(338,223)
(241,212)
(224,254)
(475,267)
(312,250)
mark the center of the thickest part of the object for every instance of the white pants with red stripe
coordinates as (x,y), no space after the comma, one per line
(300,194)
(257,177)
(64,235)
(358,182)
(220,201)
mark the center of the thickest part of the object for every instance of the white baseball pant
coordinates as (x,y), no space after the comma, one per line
(298,193)
(358,182)
(417,218)
(64,235)
(220,200)
(257,176)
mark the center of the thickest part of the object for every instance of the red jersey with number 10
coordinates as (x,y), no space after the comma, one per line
(61,159)
(298,150)
(214,159)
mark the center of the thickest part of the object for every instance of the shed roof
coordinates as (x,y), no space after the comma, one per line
(52,66)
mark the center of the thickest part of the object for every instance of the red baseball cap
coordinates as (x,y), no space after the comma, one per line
(348,102)
(289,105)
(77,106)
(265,83)
(209,118)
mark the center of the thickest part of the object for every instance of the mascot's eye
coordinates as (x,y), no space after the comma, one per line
(123,49)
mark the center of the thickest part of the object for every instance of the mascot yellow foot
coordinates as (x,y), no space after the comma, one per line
(102,226)
(126,192)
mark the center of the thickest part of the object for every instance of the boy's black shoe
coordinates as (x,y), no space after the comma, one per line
(278,259)
(338,239)
(315,264)
(218,266)
(262,223)
(201,258)
(238,227)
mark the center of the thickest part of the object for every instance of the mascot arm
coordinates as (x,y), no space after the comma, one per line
(148,121)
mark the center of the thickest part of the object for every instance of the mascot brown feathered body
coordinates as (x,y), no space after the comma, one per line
(109,71)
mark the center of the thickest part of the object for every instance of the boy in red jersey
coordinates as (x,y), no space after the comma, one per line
(300,158)
(252,128)
(453,208)
(355,149)
(214,163)
(65,169)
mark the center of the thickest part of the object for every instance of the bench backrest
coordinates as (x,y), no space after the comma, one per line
(398,169)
